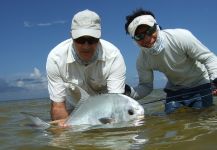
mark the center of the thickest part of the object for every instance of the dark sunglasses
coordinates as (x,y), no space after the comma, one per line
(89,40)
(148,32)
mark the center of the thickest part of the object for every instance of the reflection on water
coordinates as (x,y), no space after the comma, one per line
(123,138)
(185,129)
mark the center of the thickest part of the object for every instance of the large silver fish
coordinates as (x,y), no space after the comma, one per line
(106,108)
(100,109)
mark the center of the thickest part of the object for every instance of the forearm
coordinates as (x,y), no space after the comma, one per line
(211,66)
(58,111)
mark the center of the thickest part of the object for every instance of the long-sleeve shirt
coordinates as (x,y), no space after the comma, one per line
(105,75)
(184,60)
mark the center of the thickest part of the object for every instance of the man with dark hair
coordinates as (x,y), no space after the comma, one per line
(190,67)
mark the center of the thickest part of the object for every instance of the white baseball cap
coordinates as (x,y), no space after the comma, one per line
(86,23)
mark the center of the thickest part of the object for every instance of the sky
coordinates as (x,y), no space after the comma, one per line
(29,29)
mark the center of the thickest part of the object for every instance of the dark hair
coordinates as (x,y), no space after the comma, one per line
(136,13)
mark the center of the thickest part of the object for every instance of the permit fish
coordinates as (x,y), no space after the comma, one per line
(106,108)
(98,110)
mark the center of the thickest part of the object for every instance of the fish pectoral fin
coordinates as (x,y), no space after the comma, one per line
(105,120)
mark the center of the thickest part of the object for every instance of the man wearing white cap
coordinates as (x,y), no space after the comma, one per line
(190,67)
(92,63)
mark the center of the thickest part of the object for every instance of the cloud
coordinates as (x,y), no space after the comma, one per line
(36,73)
(6,87)
(27,24)
(31,85)
(34,81)
(44,24)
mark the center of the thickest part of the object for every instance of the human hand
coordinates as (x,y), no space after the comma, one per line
(214,85)
(62,124)
(59,123)
(214,92)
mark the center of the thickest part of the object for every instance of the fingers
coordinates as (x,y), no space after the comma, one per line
(214,92)
(60,123)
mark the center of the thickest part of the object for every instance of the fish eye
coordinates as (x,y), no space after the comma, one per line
(130,112)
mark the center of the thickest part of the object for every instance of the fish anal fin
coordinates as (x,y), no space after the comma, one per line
(105,120)
(37,122)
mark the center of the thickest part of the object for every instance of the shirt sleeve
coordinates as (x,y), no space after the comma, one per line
(146,77)
(56,86)
(117,76)
(196,50)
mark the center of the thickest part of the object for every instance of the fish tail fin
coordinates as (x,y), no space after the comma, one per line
(36,121)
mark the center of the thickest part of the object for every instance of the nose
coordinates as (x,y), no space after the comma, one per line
(86,45)
(145,41)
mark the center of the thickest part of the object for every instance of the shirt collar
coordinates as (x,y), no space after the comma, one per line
(101,53)
(70,57)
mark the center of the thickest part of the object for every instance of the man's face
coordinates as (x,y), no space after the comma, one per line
(143,39)
(86,47)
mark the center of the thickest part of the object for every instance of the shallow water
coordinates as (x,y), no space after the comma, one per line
(186,129)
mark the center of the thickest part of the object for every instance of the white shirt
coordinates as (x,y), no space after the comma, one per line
(185,61)
(105,75)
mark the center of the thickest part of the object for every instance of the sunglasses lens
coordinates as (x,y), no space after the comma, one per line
(139,37)
(148,32)
(93,41)
(83,40)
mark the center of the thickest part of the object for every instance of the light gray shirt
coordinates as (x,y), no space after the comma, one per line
(184,60)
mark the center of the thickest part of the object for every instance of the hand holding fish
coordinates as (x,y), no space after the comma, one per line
(214,84)
(60,123)
(214,92)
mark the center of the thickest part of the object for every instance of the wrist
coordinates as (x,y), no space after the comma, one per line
(127,90)
(214,81)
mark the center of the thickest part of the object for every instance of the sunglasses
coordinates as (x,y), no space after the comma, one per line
(148,32)
(89,40)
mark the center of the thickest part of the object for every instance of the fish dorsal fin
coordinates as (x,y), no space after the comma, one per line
(82,94)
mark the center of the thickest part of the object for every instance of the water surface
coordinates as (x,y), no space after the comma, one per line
(186,129)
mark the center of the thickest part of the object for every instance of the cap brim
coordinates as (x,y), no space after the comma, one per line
(86,32)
